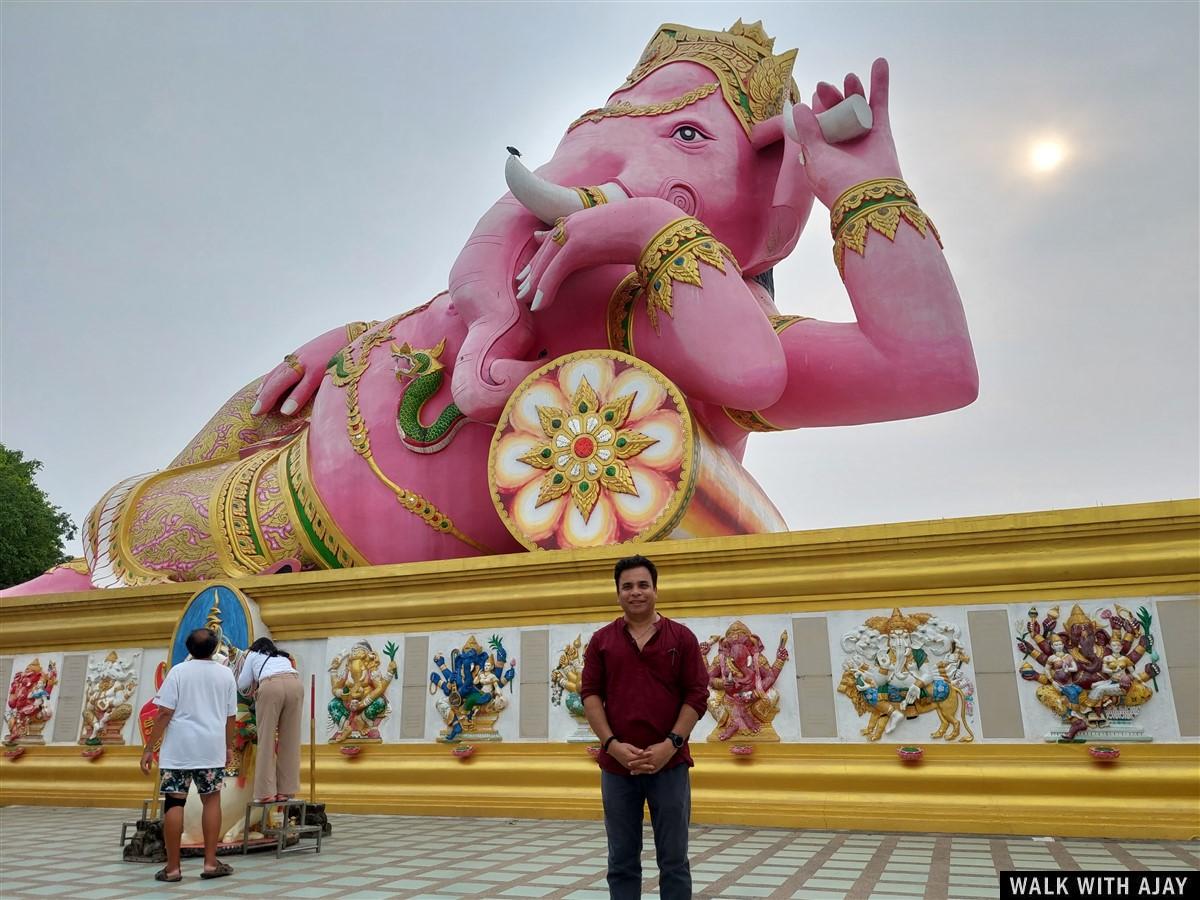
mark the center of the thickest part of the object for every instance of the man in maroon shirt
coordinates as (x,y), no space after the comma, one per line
(645,686)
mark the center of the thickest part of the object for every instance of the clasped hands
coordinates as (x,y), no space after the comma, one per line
(639,761)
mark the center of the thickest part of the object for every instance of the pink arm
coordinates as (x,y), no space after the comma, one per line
(909,353)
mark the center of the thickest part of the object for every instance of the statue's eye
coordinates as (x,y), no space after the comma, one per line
(688,134)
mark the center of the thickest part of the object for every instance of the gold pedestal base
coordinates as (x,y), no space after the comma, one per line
(973,788)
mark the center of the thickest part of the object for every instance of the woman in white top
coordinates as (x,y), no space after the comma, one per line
(278,704)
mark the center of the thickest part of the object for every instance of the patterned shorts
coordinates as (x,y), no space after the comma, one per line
(177,781)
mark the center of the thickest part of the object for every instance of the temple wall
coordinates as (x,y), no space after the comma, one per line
(974,579)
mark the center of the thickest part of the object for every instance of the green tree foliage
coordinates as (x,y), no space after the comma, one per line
(32,530)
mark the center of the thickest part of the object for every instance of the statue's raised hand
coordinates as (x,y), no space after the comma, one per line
(832,168)
(299,375)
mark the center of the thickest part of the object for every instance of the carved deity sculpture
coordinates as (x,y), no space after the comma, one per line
(108,699)
(743,700)
(1088,673)
(899,667)
(645,245)
(470,686)
(566,679)
(359,687)
(29,698)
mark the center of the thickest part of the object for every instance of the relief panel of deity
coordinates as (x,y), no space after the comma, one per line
(903,675)
(109,694)
(31,698)
(567,646)
(1092,671)
(472,686)
(752,680)
(361,693)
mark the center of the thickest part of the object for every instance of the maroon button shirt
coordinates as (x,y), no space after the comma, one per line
(643,690)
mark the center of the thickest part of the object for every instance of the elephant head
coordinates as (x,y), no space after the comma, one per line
(698,124)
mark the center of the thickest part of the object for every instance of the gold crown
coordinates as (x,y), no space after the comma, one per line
(738,629)
(752,78)
(213,623)
(897,621)
(472,644)
(1078,617)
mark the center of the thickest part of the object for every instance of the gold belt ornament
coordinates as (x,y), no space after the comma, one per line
(321,538)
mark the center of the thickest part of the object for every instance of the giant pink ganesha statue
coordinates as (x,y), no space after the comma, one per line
(608,341)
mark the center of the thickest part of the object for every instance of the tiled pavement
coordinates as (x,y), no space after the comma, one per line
(54,852)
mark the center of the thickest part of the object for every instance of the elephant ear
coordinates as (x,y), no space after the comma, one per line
(791,201)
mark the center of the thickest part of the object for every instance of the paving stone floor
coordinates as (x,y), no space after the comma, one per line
(55,852)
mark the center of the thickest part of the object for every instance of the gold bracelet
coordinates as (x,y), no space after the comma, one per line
(591,196)
(876,205)
(355,330)
(674,254)
(867,194)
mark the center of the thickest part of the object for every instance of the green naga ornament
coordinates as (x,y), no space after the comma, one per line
(425,369)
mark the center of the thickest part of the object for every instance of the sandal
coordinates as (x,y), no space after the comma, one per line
(161,875)
(220,871)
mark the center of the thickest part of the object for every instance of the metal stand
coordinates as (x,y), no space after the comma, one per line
(126,827)
(286,829)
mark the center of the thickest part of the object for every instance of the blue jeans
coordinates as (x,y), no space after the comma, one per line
(669,794)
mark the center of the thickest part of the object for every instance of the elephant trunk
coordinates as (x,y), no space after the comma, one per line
(500,334)
(549,201)
(499,327)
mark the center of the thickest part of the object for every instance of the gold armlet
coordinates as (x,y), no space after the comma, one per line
(674,254)
(876,205)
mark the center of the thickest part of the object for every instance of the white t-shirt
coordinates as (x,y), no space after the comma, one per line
(203,694)
(258,667)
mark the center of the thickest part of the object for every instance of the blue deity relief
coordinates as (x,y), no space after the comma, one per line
(471,686)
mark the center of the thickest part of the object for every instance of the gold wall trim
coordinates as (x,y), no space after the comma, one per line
(979,789)
(1140,549)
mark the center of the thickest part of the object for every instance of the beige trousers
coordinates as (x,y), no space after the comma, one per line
(278,705)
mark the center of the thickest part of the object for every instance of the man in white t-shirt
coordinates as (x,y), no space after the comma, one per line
(197,709)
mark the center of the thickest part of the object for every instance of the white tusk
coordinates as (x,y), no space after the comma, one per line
(848,120)
(789,123)
(544,199)
(613,192)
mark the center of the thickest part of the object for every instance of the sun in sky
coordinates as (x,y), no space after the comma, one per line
(1046,155)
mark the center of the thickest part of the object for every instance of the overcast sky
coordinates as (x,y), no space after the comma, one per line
(192,190)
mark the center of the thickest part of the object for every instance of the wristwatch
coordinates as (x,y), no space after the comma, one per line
(611,738)
(675,739)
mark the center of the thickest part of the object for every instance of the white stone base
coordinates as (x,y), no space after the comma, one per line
(1113,733)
